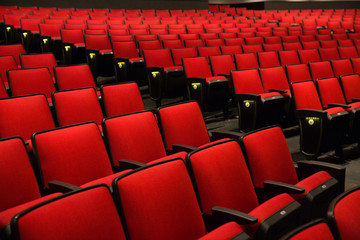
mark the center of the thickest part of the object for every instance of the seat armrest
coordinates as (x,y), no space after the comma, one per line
(183,148)
(128,164)
(275,188)
(331,105)
(59,186)
(216,135)
(229,215)
(303,113)
(307,168)
(277,90)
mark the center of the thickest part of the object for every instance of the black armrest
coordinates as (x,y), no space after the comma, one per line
(128,164)
(229,215)
(303,113)
(331,105)
(355,100)
(307,168)
(183,148)
(216,135)
(277,90)
(59,186)
(274,187)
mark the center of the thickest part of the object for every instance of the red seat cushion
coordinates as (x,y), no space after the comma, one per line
(173,68)
(268,95)
(334,110)
(6,215)
(208,79)
(353,105)
(310,183)
(106,51)
(136,59)
(266,209)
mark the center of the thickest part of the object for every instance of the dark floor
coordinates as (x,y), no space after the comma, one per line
(215,121)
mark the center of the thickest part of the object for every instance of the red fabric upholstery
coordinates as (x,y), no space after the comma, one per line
(222,64)
(292,45)
(274,149)
(178,54)
(268,59)
(329,43)
(346,215)
(246,61)
(252,48)
(77,106)
(348,52)
(3,92)
(170,201)
(75,154)
(318,231)
(158,58)
(14,50)
(6,215)
(99,42)
(90,214)
(122,99)
(106,180)
(125,50)
(306,96)
(342,67)
(311,44)
(310,183)
(18,183)
(275,78)
(39,60)
(31,81)
(247,81)
(135,137)
(330,91)
(22,116)
(152,44)
(356,65)
(321,70)
(75,36)
(309,55)
(266,209)
(328,54)
(334,110)
(222,178)
(183,124)
(351,84)
(234,41)
(273,47)
(207,51)
(289,57)
(173,68)
(76,76)
(226,231)
(231,50)
(51,29)
(298,72)
(254,40)
(6,62)
(197,67)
